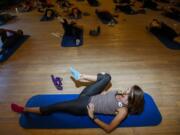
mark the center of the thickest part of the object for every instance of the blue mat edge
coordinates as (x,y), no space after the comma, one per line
(160,120)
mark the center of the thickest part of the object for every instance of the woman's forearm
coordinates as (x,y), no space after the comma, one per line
(107,128)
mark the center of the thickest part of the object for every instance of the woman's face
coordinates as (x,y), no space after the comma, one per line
(126,94)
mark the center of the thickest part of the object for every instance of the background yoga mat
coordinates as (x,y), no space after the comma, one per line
(12,50)
(68,41)
(168,43)
(150,117)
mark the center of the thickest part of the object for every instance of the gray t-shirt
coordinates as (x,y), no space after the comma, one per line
(106,103)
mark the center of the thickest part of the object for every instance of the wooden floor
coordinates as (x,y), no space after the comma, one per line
(127,51)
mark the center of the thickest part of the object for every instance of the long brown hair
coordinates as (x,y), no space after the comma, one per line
(136,100)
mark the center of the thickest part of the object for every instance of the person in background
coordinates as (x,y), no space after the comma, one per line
(163,29)
(8,39)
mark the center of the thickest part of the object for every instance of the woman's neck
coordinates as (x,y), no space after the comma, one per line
(122,98)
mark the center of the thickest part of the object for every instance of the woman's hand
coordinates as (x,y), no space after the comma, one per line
(90,109)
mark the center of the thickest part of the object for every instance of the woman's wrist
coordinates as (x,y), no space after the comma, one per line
(94,117)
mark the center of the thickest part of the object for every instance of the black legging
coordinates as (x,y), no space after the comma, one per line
(79,106)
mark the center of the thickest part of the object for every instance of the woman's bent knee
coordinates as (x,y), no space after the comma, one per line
(104,76)
(107,77)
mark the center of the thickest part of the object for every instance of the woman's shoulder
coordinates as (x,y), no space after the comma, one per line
(122,110)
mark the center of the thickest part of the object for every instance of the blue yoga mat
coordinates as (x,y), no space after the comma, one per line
(150,117)
(69,41)
(12,50)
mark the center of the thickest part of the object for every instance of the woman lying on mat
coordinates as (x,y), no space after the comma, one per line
(161,28)
(71,29)
(125,6)
(8,38)
(106,16)
(172,12)
(94,99)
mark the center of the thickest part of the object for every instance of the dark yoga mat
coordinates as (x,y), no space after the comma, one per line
(167,42)
(70,41)
(150,117)
(12,50)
